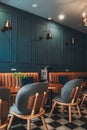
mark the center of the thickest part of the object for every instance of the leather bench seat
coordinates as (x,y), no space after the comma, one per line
(54,78)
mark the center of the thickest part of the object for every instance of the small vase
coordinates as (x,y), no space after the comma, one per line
(16,83)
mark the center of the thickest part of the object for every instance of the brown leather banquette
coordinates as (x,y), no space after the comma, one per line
(54,78)
(8,79)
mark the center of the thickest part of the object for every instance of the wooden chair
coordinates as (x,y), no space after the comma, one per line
(84,92)
(4,107)
(84,97)
(29,104)
(72,100)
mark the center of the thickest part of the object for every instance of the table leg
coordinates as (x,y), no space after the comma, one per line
(50,99)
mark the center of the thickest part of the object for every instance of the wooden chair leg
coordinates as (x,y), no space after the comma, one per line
(70,114)
(79,110)
(28,124)
(83,99)
(44,123)
(10,122)
(53,106)
(63,107)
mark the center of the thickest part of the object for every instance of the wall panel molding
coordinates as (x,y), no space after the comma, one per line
(5,39)
(24,40)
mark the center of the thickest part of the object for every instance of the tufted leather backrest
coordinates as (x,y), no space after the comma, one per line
(8,79)
(54,76)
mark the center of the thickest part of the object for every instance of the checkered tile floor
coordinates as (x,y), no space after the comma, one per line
(58,120)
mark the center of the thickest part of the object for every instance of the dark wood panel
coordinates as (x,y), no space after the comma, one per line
(22,49)
(55,46)
(5,39)
(66,44)
(73,53)
(24,40)
(41,47)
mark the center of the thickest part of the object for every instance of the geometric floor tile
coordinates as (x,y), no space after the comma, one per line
(71,125)
(57,121)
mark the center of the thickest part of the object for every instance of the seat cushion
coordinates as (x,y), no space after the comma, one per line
(59,99)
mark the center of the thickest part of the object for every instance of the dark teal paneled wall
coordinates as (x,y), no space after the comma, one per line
(22,49)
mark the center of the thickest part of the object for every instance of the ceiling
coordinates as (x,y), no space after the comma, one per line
(72,9)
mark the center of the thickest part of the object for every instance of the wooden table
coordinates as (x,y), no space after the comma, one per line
(13,91)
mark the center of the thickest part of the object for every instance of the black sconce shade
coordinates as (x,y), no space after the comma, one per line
(48,35)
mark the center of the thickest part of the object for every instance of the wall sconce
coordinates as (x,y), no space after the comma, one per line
(48,35)
(73,40)
(84,19)
(7,26)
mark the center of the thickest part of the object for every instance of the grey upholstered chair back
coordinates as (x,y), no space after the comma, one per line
(25,92)
(67,88)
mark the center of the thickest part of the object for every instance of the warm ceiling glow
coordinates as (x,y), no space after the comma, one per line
(34,5)
(61,17)
(84,18)
(83,14)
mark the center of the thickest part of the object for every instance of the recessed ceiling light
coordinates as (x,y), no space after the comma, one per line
(61,17)
(34,5)
(49,18)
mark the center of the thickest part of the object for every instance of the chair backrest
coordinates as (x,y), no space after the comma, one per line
(31,96)
(67,88)
(5,98)
(75,94)
(36,102)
